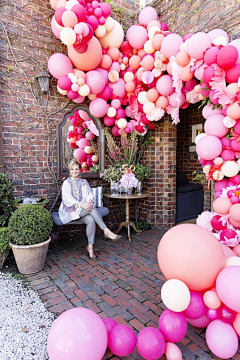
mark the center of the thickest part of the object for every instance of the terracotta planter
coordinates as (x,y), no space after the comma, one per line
(30,259)
(3,256)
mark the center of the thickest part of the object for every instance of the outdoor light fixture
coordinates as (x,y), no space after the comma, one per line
(43,79)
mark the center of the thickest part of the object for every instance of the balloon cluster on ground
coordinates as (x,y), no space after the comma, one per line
(80,136)
(80,334)
(202,288)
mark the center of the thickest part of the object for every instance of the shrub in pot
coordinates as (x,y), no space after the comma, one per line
(4,244)
(6,198)
(30,228)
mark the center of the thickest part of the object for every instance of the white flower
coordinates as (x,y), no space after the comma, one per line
(204,220)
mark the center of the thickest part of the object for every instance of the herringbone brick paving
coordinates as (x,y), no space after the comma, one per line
(123,283)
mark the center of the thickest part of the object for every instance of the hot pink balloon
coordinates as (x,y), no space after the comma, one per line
(212,314)
(189,85)
(95,81)
(201,323)
(208,74)
(78,333)
(226,315)
(217,223)
(171,45)
(137,36)
(221,339)
(64,82)
(233,73)
(227,56)
(72,94)
(210,56)
(121,340)
(198,44)
(108,322)
(228,287)
(214,126)
(59,65)
(151,344)
(146,15)
(209,147)
(165,85)
(79,100)
(196,308)
(173,325)
(80,154)
(219,185)
(98,107)
(109,121)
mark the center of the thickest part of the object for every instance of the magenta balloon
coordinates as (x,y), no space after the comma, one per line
(151,344)
(98,107)
(235,145)
(210,56)
(80,154)
(64,82)
(214,126)
(118,88)
(164,26)
(106,93)
(201,323)
(227,57)
(104,73)
(146,15)
(95,81)
(59,65)
(228,287)
(120,113)
(213,34)
(187,36)
(221,339)
(78,333)
(233,74)
(190,84)
(93,21)
(212,314)
(54,28)
(115,129)
(165,85)
(209,147)
(121,340)
(171,45)
(109,121)
(196,308)
(226,315)
(228,155)
(137,36)
(208,74)
(106,9)
(72,94)
(209,111)
(108,322)
(198,44)
(226,142)
(173,325)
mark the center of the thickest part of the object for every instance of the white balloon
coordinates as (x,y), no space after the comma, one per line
(220,40)
(153,31)
(68,36)
(71,3)
(175,295)
(61,91)
(233,261)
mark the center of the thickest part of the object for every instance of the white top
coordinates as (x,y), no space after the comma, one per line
(74,192)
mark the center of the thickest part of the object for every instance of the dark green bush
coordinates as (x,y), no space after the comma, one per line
(29,225)
(6,198)
(142,225)
(4,239)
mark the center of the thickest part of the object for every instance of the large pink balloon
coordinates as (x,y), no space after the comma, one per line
(95,81)
(59,65)
(209,147)
(198,44)
(221,339)
(137,36)
(192,254)
(88,60)
(80,154)
(77,334)
(151,344)
(173,325)
(121,340)
(214,126)
(209,111)
(146,15)
(98,107)
(171,45)
(165,85)
(228,287)
(54,28)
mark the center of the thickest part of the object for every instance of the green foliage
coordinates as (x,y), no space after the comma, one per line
(5,239)
(142,225)
(142,172)
(111,173)
(198,176)
(94,168)
(6,198)
(29,225)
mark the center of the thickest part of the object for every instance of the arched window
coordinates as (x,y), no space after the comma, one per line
(65,152)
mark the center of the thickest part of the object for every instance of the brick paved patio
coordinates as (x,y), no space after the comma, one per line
(123,283)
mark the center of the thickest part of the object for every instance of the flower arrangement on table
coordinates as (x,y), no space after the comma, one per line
(128,180)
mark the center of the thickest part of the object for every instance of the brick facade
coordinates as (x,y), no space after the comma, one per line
(29,118)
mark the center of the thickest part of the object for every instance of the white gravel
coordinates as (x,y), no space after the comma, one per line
(24,321)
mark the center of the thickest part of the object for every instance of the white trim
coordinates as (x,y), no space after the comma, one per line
(195,132)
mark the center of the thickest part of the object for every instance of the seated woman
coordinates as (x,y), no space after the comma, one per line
(78,203)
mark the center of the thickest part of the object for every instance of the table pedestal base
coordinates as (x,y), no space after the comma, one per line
(127,223)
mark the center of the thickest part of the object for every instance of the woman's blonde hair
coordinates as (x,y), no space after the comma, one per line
(72,163)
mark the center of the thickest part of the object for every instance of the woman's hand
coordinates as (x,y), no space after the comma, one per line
(87,206)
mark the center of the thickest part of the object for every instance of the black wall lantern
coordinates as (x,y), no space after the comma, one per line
(43,79)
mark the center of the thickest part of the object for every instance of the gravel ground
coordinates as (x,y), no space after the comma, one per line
(24,321)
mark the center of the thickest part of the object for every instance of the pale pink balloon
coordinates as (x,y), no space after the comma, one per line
(201,323)
(209,111)
(59,65)
(214,126)
(79,100)
(173,352)
(236,250)
(54,28)
(137,36)
(198,73)
(98,107)
(165,85)
(118,88)
(95,81)
(84,115)
(198,44)
(171,45)
(147,14)
(215,33)
(227,251)
(209,147)
(173,99)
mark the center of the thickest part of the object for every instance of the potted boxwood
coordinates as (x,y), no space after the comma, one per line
(4,245)
(30,228)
